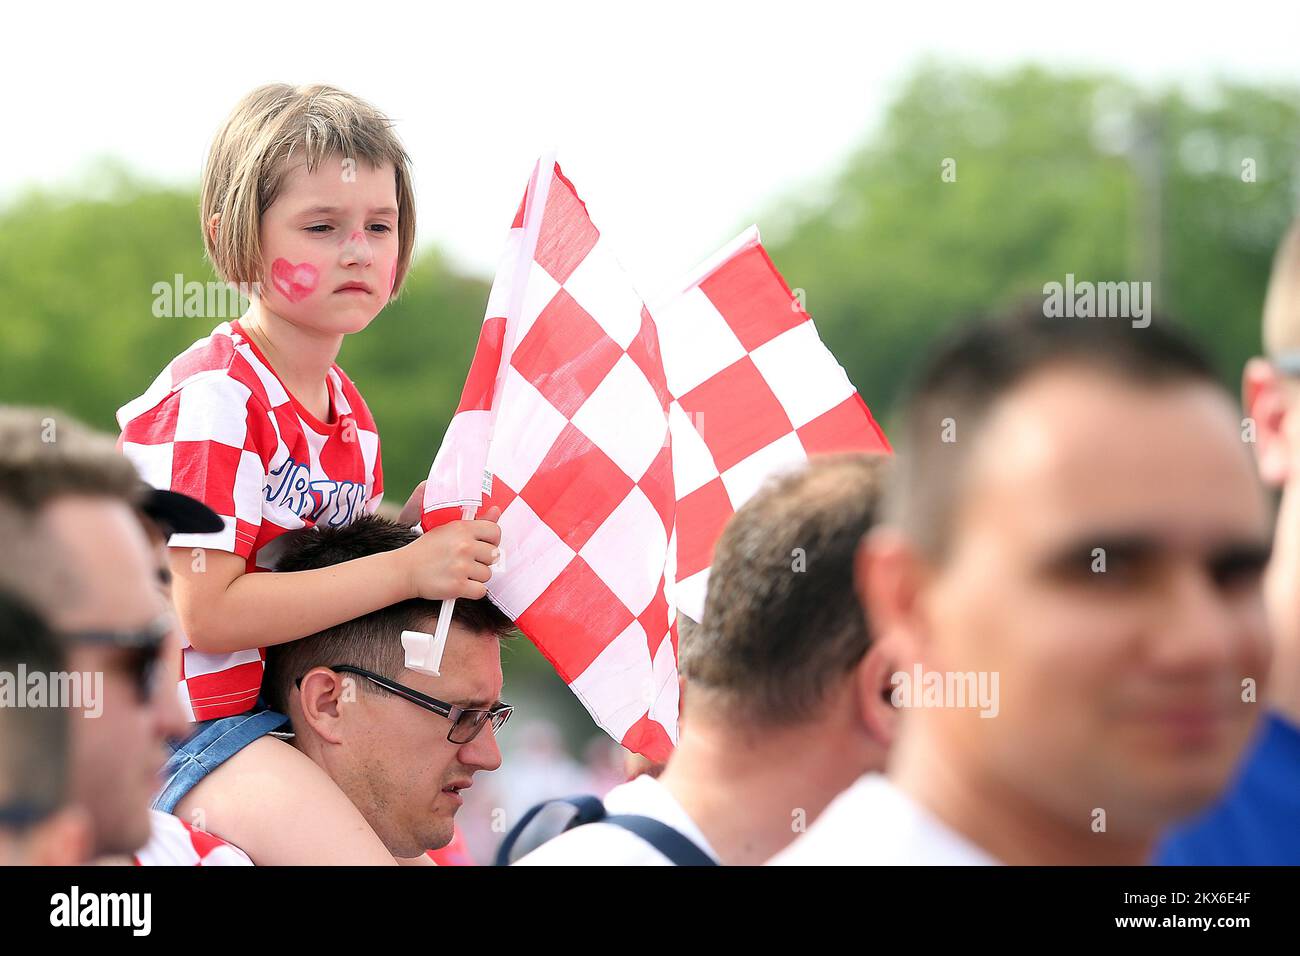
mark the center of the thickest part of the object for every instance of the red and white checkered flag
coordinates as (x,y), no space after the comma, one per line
(616,469)
(754,391)
(563,425)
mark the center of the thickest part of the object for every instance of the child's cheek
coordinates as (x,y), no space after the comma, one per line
(294,281)
(392,278)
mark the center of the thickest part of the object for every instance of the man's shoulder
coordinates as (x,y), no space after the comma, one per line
(609,844)
(643,795)
(595,844)
(873,822)
(841,834)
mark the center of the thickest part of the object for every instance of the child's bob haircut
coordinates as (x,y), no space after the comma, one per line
(251,155)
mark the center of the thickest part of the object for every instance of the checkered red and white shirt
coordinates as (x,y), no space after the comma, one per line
(218,425)
(173,842)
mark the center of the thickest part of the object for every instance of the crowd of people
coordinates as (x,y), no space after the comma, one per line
(1060,624)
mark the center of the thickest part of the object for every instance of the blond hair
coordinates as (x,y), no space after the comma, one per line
(251,155)
(1282,303)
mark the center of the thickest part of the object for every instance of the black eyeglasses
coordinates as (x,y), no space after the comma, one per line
(465,723)
(142,648)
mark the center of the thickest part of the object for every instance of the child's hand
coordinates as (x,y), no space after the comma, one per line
(454,560)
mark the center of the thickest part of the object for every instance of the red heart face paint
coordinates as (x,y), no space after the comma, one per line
(295,282)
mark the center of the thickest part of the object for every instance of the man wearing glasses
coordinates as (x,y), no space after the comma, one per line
(402,745)
(1255,822)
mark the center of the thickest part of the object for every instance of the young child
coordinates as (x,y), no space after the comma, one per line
(307,198)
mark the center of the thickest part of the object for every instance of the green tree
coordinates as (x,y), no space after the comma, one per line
(1054,174)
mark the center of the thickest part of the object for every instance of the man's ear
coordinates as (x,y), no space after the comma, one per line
(874,688)
(888,576)
(323,697)
(1264,398)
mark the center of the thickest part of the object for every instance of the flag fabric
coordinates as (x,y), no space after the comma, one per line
(618,444)
(563,425)
(754,392)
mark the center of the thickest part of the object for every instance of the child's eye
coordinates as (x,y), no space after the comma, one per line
(382,227)
(320,228)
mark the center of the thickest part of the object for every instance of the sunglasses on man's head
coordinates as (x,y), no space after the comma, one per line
(466,723)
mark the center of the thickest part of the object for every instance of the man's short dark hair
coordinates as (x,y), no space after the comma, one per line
(781,619)
(372,641)
(960,382)
(33,740)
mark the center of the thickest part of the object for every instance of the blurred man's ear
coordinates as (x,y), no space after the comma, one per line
(64,839)
(323,697)
(888,575)
(1264,398)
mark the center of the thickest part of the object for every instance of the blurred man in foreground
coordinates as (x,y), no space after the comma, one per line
(38,824)
(76,550)
(1076,525)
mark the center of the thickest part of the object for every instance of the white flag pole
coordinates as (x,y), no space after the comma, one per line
(433,657)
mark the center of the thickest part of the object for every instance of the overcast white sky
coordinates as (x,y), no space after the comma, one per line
(679,122)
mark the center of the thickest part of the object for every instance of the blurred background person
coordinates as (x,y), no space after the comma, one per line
(1073,513)
(39,825)
(782,704)
(1258,819)
(81,556)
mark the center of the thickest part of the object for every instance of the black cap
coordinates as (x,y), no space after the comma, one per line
(175,513)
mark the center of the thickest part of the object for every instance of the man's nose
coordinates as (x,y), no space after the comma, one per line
(482,752)
(169,719)
(1203,628)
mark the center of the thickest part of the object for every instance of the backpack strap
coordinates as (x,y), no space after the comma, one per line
(587,809)
(673,844)
(678,848)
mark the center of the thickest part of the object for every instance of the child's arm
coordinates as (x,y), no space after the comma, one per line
(222,609)
(279,807)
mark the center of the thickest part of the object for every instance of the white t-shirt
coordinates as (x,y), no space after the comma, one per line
(874,823)
(606,844)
